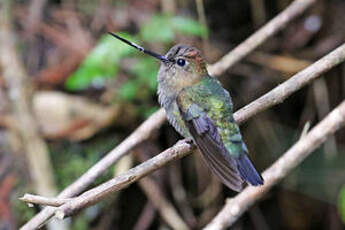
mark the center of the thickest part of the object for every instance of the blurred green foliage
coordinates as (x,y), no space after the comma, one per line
(158,29)
(163,28)
(103,62)
(100,64)
(341,203)
(22,211)
(80,223)
(75,159)
(189,26)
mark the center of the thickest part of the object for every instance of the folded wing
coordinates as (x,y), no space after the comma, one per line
(206,136)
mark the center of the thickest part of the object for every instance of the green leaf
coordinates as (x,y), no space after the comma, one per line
(158,29)
(149,111)
(129,90)
(100,64)
(341,203)
(189,26)
(146,70)
(162,28)
(89,74)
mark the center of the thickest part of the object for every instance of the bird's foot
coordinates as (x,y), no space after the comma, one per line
(189,140)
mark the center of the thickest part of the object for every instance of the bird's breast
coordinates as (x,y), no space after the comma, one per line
(168,101)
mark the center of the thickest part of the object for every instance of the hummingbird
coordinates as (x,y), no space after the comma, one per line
(198,107)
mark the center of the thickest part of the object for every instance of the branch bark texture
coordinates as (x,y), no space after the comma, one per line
(182,148)
(295,9)
(155,121)
(34,199)
(92,196)
(296,82)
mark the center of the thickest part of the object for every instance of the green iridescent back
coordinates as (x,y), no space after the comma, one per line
(216,102)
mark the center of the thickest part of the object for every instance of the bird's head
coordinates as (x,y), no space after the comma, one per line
(182,66)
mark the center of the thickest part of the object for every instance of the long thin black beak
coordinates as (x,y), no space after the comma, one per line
(141,49)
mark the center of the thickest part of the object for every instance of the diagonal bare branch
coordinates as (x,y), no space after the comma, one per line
(296,8)
(235,207)
(155,121)
(34,199)
(183,147)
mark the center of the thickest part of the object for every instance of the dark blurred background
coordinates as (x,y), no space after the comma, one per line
(89,92)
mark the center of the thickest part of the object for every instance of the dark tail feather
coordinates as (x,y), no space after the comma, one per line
(248,171)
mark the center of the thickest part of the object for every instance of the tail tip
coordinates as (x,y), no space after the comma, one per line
(248,171)
(257,181)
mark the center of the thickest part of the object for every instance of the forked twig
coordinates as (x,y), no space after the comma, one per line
(183,147)
(157,119)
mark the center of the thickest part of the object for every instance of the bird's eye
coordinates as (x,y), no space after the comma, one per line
(181,62)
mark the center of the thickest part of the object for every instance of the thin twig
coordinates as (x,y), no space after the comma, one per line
(139,135)
(35,14)
(236,206)
(322,104)
(258,12)
(296,8)
(157,119)
(146,217)
(280,93)
(34,199)
(281,63)
(92,196)
(183,147)
(19,91)
(162,204)
(168,7)
(179,194)
(154,190)
(202,19)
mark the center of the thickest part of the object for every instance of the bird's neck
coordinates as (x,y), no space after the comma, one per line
(167,93)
